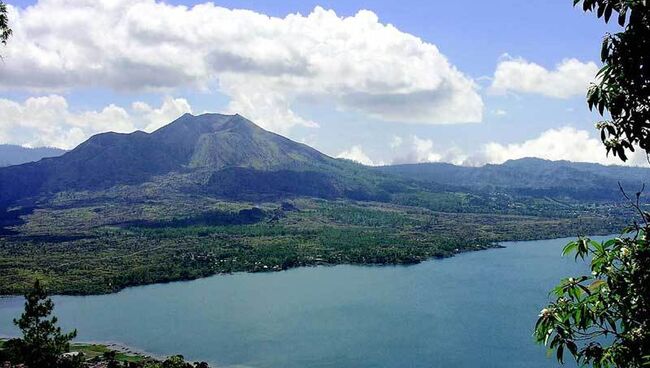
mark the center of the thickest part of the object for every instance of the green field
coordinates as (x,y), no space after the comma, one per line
(101,246)
(91,351)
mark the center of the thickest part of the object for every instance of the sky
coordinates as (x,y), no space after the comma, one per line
(378,82)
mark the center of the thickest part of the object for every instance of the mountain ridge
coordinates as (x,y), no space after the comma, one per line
(532,176)
(231,157)
(195,146)
(11,154)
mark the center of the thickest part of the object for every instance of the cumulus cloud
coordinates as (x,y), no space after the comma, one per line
(396,142)
(170,109)
(564,143)
(49,121)
(570,77)
(356,154)
(418,150)
(423,150)
(264,64)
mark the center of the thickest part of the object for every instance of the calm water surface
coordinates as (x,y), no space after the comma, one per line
(473,310)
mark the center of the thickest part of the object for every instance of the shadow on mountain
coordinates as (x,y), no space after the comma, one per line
(51,238)
(9,218)
(248,184)
(246,216)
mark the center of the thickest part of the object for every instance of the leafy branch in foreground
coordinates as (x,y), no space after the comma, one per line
(623,86)
(603,319)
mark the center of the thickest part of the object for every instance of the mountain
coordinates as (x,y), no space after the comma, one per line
(229,157)
(224,155)
(15,155)
(532,177)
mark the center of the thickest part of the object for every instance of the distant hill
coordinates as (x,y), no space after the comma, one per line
(15,155)
(532,177)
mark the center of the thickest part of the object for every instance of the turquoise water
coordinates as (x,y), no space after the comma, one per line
(473,310)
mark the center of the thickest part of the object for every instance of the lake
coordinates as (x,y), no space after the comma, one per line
(473,310)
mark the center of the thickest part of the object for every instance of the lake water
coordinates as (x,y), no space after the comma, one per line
(473,310)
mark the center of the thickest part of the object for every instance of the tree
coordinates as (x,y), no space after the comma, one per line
(111,358)
(42,342)
(5,31)
(603,319)
(622,93)
(176,361)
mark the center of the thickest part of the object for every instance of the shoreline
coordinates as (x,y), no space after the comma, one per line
(493,245)
(477,248)
(118,347)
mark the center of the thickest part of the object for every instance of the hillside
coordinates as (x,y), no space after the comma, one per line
(211,153)
(532,177)
(15,155)
(230,157)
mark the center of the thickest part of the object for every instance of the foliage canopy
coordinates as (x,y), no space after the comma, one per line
(622,93)
(603,319)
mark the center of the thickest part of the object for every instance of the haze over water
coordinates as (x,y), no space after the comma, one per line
(473,310)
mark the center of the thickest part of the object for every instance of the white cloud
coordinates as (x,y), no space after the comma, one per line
(571,77)
(396,142)
(355,153)
(500,112)
(171,109)
(264,64)
(423,150)
(419,150)
(564,143)
(48,120)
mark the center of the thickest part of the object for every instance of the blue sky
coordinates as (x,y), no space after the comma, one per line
(528,62)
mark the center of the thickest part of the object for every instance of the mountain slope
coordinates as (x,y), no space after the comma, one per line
(15,155)
(230,157)
(224,154)
(532,177)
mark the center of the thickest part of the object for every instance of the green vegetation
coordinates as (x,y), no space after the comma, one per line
(86,245)
(98,351)
(603,319)
(43,342)
(208,194)
(94,353)
(621,95)
(216,194)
